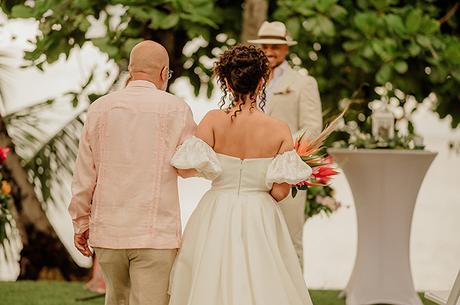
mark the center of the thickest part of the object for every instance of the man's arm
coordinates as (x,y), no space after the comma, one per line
(310,115)
(189,126)
(83,184)
(187,132)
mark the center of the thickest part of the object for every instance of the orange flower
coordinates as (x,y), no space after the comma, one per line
(6,187)
(302,147)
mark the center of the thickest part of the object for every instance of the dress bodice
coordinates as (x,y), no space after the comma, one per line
(247,175)
(242,175)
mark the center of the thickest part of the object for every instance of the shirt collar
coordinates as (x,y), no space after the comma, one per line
(141,83)
(280,69)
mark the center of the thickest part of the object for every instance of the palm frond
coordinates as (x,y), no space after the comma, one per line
(4,69)
(36,110)
(49,155)
(33,110)
(51,167)
(48,158)
(9,240)
(5,220)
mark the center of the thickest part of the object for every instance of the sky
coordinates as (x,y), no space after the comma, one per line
(330,242)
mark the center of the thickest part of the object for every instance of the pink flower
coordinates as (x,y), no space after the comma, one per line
(4,151)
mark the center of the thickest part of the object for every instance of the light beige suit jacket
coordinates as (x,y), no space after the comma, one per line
(296,101)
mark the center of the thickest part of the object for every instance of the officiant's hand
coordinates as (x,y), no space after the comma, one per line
(81,243)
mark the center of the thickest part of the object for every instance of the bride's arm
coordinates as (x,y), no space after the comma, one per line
(204,130)
(280,191)
(205,133)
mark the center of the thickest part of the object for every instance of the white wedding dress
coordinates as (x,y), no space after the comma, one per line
(236,248)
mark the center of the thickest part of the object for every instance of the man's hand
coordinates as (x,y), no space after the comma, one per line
(81,243)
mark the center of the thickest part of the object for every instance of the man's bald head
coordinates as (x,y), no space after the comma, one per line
(149,61)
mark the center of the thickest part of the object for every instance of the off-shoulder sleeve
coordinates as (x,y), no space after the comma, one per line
(197,154)
(287,167)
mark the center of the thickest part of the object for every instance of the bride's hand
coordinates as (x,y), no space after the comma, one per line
(280,191)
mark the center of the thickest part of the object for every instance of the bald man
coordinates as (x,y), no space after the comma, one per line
(124,192)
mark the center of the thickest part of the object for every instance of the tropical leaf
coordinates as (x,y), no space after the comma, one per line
(4,69)
(48,159)
(5,222)
(48,155)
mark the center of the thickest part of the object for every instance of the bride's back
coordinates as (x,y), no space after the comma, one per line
(249,134)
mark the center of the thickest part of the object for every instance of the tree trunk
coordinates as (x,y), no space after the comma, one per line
(43,255)
(254,14)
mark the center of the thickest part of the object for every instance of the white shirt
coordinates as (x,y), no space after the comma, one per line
(277,73)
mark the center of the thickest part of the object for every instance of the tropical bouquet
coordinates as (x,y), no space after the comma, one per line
(320,196)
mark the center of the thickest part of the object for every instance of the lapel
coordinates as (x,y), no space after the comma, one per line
(282,87)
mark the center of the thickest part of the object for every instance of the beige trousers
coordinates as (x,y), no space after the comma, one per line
(293,211)
(136,276)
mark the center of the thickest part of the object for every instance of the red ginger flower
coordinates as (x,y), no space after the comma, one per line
(4,151)
(323,174)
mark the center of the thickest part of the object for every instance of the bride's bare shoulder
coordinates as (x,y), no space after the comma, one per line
(215,114)
(211,117)
(279,130)
(277,124)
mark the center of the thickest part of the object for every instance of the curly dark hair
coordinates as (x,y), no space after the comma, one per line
(242,67)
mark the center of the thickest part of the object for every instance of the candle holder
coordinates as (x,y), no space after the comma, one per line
(383,124)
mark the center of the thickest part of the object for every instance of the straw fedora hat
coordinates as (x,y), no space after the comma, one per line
(273,33)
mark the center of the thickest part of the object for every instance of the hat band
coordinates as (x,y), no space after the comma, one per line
(272,37)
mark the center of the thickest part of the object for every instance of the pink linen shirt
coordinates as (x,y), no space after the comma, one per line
(124,189)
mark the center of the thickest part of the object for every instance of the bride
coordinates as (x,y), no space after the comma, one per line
(236,248)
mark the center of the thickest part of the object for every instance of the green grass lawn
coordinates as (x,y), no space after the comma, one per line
(65,293)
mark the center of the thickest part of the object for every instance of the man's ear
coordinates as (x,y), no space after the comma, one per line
(164,74)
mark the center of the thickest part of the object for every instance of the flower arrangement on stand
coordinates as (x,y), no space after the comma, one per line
(5,190)
(385,123)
